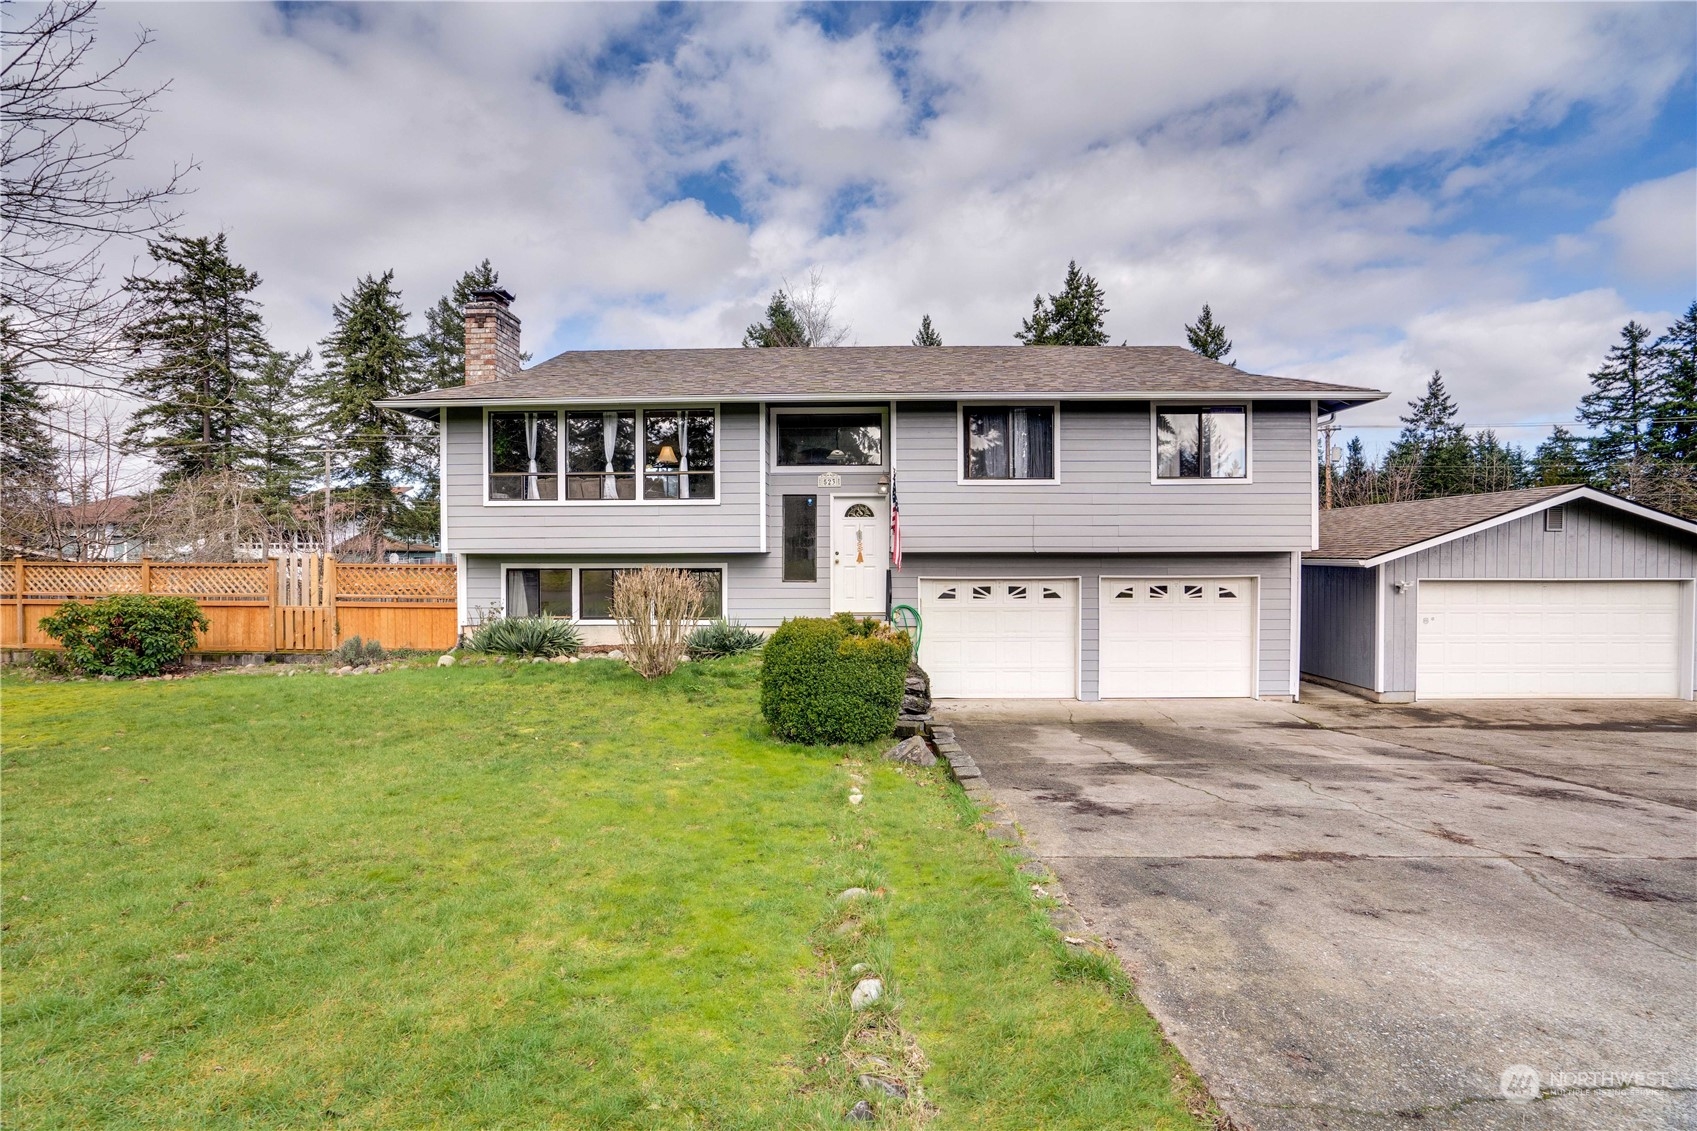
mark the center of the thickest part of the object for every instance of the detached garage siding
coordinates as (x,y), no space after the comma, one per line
(1596,543)
(1273,589)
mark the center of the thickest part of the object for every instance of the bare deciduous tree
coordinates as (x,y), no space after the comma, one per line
(815,307)
(69,123)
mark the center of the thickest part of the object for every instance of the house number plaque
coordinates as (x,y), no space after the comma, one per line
(830,479)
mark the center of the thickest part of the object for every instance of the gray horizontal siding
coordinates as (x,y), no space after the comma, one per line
(733,526)
(1273,595)
(1597,543)
(1104,501)
(1338,623)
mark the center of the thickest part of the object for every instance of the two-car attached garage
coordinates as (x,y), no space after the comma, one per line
(1552,592)
(1159,637)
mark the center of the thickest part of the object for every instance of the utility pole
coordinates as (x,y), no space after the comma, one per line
(1328,453)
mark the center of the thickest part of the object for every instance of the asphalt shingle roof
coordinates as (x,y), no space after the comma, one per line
(878,371)
(1359,533)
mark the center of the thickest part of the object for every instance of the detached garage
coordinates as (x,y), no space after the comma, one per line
(1553,592)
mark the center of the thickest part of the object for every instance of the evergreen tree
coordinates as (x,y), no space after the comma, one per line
(1432,448)
(1072,318)
(442,344)
(1497,466)
(1355,479)
(366,357)
(272,435)
(1208,337)
(1619,407)
(1672,432)
(927,335)
(782,327)
(27,454)
(201,333)
(1560,459)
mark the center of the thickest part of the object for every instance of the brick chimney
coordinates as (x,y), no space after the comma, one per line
(491,337)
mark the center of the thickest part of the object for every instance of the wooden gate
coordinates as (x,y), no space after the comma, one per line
(306,603)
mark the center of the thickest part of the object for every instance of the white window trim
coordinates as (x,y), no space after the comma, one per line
(815,469)
(560,456)
(577,569)
(1248,475)
(960,443)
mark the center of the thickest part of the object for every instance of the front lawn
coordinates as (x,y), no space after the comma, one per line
(519,896)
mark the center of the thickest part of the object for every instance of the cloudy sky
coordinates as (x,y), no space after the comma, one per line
(1363,192)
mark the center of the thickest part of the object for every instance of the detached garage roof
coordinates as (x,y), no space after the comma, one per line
(1367,536)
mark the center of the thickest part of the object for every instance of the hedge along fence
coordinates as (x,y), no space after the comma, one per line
(828,681)
(404,606)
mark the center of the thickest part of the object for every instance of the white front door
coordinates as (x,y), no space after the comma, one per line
(1527,639)
(860,554)
(994,638)
(1178,637)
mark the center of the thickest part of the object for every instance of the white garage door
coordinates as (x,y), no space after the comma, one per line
(999,638)
(1531,639)
(1177,637)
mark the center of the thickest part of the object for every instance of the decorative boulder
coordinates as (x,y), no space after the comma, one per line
(914,751)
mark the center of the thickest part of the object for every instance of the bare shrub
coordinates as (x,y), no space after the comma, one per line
(656,610)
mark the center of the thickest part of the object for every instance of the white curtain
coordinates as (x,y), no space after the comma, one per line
(609,439)
(531,422)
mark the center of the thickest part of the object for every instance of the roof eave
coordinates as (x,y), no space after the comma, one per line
(1329,402)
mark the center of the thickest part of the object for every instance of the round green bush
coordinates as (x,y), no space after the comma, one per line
(127,635)
(828,681)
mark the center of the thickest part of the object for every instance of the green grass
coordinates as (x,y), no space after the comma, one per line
(518,896)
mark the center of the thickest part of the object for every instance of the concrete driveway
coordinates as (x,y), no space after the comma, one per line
(1356,915)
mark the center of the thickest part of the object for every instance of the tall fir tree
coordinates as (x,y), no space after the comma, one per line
(366,357)
(1432,449)
(1619,408)
(781,329)
(27,453)
(442,345)
(1559,460)
(927,335)
(1671,435)
(1072,318)
(202,337)
(1496,466)
(1208,337)
(272,435)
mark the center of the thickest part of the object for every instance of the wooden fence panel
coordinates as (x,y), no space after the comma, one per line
(272,606)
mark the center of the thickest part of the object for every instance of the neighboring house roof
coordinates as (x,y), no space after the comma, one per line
(1383,532)
(102,512)
(880,372)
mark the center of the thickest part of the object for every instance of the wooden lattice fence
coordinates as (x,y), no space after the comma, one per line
(299,603)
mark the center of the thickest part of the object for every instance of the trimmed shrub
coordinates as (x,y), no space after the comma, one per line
(654,608)
(356,652)
(723,638)
(526,636)
(827,681)
(128,635)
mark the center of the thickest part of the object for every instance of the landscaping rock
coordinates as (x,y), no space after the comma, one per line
(860,1113)
(879,1084)
(563,659)
(615,654)
(848,894)
(865,992)
(445,661)
(913,751)
(855,797)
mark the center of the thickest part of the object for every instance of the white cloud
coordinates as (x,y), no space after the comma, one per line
(1181,153)
(1654,226)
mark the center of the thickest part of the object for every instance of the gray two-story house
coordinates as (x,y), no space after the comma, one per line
(1072,522)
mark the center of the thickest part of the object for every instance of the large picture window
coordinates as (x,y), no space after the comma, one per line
(596,592)
(652,455)
(539,593)
(830,439)
(1009,443)
(1202,443)
(524,451)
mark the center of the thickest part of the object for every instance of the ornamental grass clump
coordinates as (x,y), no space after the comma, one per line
(127,635)
(533,637)
(355,652)
(656,610)
(836,680)
(723,638)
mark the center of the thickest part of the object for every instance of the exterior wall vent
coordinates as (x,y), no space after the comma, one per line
(1555,519)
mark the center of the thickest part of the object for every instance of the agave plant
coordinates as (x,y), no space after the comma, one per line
(527,636)
(723,638)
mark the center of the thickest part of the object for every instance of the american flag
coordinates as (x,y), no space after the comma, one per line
(895,525)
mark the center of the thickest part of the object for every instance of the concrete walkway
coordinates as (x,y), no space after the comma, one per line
(1358,916)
